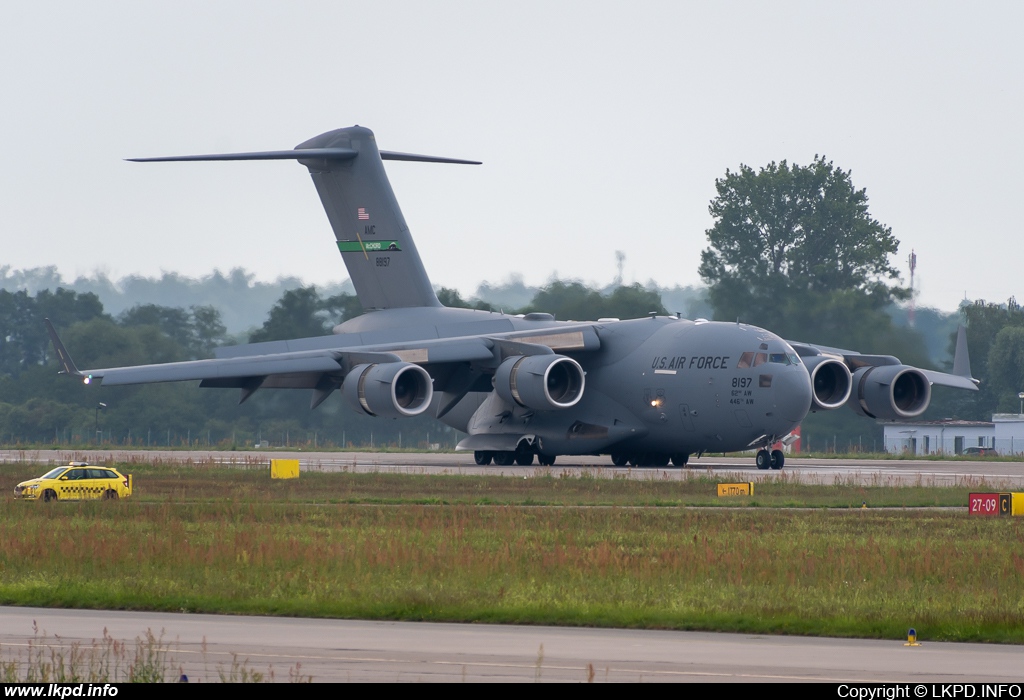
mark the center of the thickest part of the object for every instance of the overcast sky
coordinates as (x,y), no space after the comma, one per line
(602,127)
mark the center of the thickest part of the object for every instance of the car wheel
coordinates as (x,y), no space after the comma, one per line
(49,495)
(110,495)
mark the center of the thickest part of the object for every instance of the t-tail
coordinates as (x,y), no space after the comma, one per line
(372,236)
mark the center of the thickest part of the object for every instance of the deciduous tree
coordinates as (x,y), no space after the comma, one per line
(788,239)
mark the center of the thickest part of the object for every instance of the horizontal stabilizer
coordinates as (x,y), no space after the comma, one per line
(395,155)
(303,154)
(293,154)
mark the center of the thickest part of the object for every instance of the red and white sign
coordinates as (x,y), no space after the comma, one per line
(989,504)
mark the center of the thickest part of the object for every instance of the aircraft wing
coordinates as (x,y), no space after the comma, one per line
(960,378)
(322,363)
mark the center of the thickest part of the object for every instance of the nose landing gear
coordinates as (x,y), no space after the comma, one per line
(770,460)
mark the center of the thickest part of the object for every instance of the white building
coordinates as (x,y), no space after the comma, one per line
(1009,436)
(1005,433)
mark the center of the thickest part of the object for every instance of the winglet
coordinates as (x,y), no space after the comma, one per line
(66,363)
(962,359)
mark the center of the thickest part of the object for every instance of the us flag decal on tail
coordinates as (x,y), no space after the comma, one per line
(363,216)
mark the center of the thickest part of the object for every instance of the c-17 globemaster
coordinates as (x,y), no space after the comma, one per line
(644,391)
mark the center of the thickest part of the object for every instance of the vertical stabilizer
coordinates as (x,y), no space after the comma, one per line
(372,236)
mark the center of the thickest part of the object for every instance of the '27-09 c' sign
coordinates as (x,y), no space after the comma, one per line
(990,503)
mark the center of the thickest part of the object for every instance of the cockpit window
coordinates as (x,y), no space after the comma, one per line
(750,359)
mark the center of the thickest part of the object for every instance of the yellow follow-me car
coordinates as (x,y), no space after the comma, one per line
(77,481)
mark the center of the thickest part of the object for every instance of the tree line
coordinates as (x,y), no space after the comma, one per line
(39,407)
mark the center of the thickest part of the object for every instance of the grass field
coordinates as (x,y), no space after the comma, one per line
(210,482)
(619,553)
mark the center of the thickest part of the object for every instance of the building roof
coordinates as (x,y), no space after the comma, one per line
(944,423)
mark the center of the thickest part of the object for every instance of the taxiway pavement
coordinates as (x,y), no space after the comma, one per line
(206,646)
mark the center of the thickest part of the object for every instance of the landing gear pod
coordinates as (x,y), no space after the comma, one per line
(890,392)
(831,382)
(540,382)
(389,390)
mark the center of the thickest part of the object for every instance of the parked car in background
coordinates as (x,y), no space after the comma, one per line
(78,481)
(980,452)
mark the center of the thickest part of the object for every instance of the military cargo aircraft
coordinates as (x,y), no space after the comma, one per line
(523,387)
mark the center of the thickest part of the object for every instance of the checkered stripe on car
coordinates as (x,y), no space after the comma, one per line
(84,490)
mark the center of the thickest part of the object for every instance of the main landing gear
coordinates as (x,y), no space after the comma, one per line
(502,458)
(770,460)
(523,456)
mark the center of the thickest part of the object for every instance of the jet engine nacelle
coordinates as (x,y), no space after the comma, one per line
(831,382)
(890,392)
(389,390)
(540,382)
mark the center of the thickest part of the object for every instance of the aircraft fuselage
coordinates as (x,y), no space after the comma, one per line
(662,385)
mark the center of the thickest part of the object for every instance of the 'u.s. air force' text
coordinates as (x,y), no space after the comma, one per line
(697,362)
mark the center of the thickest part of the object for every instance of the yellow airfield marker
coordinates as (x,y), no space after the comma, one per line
(284,469)
(741,489)
(912,638)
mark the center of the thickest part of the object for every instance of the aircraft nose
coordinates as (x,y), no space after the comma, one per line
(793,393)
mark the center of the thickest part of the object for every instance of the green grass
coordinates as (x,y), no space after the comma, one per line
(221,540)
(670,488)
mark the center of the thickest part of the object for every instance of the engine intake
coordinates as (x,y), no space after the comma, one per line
(389,390)
(890,392)
(831,382)
(540,382)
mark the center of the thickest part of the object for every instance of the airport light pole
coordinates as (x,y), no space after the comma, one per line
(97,420)
(1021,397)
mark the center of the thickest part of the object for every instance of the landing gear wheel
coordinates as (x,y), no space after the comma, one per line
(483,457)
(680,459)
(619,459)
(504,459)
(524,455)
(657,459)
(763,459)
(546,460)
(778,459)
